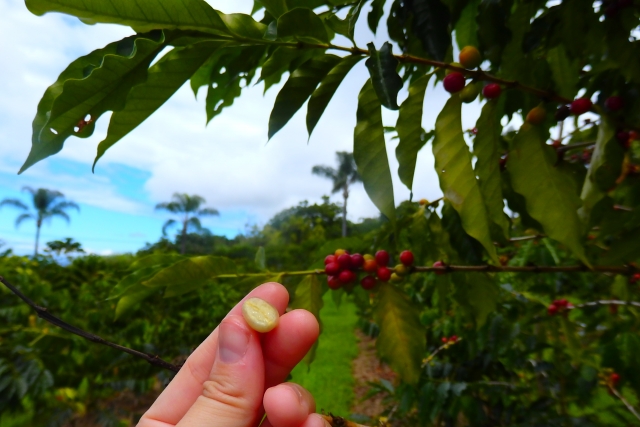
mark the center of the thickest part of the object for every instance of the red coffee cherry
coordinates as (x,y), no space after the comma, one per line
(561,303)
(357,261)
(552,310)
(453,82)
(491,91)
(382,258)
(453,338)
(384,274)
(580,106)
(439,264)
(333,282)
(614,378)
(329,259)
(614,103)
(332,269)
(634,278)
(406,257)
(344,261)
(444,340)
(368,282)
(346,276)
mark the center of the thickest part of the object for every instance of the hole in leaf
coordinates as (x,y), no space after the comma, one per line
(87,118)
(76,128)
(214,85)
(53,131)
(223,70)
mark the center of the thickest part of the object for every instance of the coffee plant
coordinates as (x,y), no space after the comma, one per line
(526,266)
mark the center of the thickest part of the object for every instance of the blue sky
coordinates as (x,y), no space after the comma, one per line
(228,162)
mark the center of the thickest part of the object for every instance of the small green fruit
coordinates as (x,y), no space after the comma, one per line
(401,270)
(396,278)
(470,92)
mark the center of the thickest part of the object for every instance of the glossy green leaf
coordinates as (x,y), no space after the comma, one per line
(165,78)
(375,14)
(132,297)
(410,132)
(565,72)
(352,18)
(308,297)
(431,25)
(382,67)
(91,85)
(604,169)
(298,88)
(275,7)
(283,59)
(457,178)
(477,294)
(469,250)
(486,147)
(402,338)
(190,274)
(328,86)
(303,25)
(466,27)
(441,240)
(551,198)
(370,152)
(142,270)
(143,15)
(624,250)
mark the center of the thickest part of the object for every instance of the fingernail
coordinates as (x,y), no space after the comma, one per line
(233,342)
(297,390)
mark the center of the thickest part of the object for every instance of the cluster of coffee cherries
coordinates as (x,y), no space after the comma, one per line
(608,377)
(451,339)
(559,306)
(634,278)
(342,268)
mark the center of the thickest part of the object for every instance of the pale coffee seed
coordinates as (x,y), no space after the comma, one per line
(260,315)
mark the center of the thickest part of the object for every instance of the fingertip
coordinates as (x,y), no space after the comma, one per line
(288,405)
(315,420)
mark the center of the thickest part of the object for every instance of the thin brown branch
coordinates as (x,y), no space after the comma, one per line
(617,394)
(605,302)
(565,148)
(625,269)
(522,238)
(44,314)
(444,346)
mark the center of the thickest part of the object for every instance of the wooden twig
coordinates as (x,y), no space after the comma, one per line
(604,302)
(44,314)
(625,269)
(617,394)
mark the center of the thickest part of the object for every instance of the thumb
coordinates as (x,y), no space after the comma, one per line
(232,396)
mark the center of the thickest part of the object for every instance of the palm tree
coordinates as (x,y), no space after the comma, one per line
(347,173)
(189,207)
(46,203)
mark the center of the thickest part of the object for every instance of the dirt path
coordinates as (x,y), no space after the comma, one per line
(368,368)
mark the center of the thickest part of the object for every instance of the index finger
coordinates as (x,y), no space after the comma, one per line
(186,386)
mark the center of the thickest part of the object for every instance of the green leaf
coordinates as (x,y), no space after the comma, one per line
(165,78)
(410,132)
(298,88)
(431,25)
(260,259)
(469,250)
(282,60)
(603,171)
(565,72)
(132,297)
(375,14)
(477,293)
(308,297)
(191,274)
(457,178)
(303,25)
(402,338)
(275,7)
(352,19)
(370,152)
(486,147)
(382,67)
(466,27)
(551,198)
(143,15)
(91,85)
(623,250)
(143,269)
(328,86)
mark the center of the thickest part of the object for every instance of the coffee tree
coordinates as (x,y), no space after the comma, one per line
(540,300)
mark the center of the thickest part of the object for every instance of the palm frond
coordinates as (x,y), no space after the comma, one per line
(56,212)
(65,204)
(24,217)
(324,171)
(208,212)
(195,223)
(166,225)
(15,203)
(172,207)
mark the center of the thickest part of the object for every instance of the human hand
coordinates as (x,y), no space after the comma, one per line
(237,374)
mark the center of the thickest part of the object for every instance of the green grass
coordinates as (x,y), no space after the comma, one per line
(330,378)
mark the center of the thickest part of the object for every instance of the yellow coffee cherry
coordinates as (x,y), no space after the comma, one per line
(260,315)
